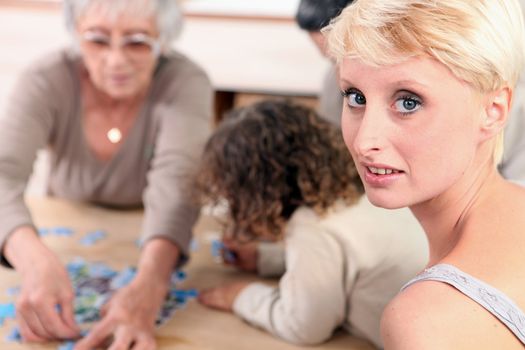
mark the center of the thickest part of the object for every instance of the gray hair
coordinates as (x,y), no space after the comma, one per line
(167,13)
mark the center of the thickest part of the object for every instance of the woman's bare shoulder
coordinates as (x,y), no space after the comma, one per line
(433,315)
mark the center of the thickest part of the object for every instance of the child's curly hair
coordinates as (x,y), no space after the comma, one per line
(268,159)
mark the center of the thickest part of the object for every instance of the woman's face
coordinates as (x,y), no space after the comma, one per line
(119,53)
(413,129)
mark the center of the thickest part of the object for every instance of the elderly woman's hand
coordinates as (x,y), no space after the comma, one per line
(128,319)
(44,308)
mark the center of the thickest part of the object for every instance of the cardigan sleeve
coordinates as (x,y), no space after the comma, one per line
(310,301)
(270,259)
(185,124)
(25,127)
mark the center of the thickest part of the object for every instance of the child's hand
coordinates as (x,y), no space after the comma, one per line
(245,255)
(222,297)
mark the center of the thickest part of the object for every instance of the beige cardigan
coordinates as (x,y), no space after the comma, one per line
(152,167)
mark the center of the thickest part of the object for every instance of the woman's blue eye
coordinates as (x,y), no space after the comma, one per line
(355,99)
(407,104)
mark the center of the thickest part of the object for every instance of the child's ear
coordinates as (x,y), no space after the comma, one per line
(496,111)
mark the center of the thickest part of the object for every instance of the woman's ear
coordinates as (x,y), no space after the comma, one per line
(496,111)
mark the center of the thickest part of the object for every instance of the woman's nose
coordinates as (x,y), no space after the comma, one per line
(371,133)
(115,55)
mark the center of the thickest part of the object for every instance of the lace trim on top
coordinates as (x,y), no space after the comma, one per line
(487,296)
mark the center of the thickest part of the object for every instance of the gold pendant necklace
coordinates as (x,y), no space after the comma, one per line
(114,135)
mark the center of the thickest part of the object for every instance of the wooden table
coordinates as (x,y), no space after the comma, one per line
(193,327)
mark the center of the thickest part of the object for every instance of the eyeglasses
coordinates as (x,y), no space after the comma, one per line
(137,47)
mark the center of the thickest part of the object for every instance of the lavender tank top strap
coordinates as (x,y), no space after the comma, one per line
(497,303)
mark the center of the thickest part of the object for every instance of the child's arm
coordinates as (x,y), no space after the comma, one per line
(311,299)
(264,258)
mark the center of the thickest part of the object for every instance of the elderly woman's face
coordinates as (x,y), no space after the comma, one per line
(119,53)
(413,129)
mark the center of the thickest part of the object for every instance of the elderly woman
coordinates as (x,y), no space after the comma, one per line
(125,119)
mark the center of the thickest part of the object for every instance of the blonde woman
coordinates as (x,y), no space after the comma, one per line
(428,87)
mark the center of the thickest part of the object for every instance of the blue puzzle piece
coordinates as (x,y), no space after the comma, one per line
(14,335)
(92,237)
(13,291)
(62,231)
(178,276)
(194,245)
(58,230)
(69,345)
(219,250)
(123,278)
(101,270)
(43,231)
(184,293)
(6,311)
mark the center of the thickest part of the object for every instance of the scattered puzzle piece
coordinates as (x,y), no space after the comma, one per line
(57,230)
(93,237)
(14,335)
(219,250)
(178,276)
(69,345)
(62,231)
(123,278)
(194,245)
(13,291)
(6,311)
(43,231)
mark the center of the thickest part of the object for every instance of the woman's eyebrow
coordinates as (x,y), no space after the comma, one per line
(137,31)
(409,82)
(394,84)
(98,29)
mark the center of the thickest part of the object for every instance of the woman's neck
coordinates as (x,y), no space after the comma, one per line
(108,102)
(444,217)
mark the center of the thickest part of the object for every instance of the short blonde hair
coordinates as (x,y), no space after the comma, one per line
(480,41)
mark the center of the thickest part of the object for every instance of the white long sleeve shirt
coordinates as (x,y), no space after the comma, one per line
(341,270)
